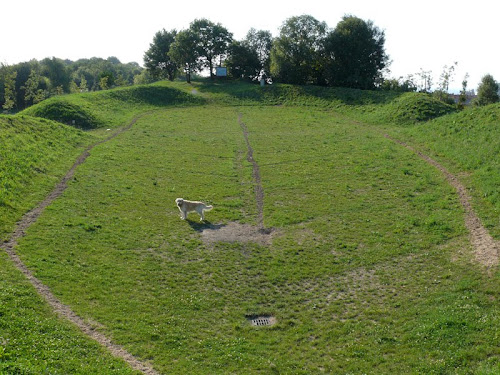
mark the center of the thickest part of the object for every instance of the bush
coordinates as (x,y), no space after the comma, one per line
(488,91)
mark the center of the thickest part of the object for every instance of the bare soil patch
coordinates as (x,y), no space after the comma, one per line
(61,309)
(486,249)
(236,232)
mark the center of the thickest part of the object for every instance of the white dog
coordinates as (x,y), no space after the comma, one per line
(186,206)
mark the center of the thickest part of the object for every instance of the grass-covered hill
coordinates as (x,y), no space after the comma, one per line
(35,153)
(109,108)
(113,107)
(368,267)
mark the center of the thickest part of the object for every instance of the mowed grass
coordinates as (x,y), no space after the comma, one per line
(34,155)
(468,144)
(369,269)
(33,340)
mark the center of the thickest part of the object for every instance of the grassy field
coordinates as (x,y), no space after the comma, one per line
(369,269)
(34,155)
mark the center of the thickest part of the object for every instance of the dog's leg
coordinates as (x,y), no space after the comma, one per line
(200,212)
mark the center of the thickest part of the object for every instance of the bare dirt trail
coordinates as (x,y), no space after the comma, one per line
(242,233)
(486,249)
(259,191)
(61,309)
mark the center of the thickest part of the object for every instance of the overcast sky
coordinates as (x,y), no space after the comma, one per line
(420,34)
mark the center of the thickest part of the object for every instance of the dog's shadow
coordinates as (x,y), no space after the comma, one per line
(200,226)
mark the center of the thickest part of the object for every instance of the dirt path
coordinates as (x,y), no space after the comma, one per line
(61,309)
(486,249)
(259,191)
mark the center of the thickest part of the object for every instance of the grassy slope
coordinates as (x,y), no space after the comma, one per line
(110,108)
(449,325)
(468,143)
(35,153)
(363,282)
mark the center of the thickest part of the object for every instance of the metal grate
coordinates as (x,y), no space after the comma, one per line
(258,321)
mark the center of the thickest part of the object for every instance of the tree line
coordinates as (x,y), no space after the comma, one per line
(28,83)
(306,51)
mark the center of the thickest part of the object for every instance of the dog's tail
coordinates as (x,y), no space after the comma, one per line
(208,208)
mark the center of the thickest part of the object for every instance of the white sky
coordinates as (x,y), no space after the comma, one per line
(419,34)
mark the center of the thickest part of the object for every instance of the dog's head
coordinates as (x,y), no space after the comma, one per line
(179,201)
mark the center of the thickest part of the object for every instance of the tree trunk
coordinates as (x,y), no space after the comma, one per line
(188,73)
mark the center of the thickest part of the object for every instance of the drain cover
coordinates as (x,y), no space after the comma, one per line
(258,321)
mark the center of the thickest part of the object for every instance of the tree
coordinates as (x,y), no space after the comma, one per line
(425,80)
(106,80)
(399,84)
(487,92)
(10,90)
(243,62)
(32,92)
(23,72)
(356,54)
(447,77)
(297,54)
(260,42)
(157,60)
(83,84)
(57,73)
(462,99)
(212,42)
(184,52)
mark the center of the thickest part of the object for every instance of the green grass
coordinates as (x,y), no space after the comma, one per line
(111,108)
(369,270)
(34,155)
(34,341)
(468,144)
(363,282)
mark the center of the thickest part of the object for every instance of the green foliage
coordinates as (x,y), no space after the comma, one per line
(443,96)
(297,53)
(9,91)
(88,71)
(185,54)
(33,94)
(212,41)
(261,42)
(57,73)
(356,54)
(157,60)
(36,81)
(463,93)
(400,84)
(243,62)
(487,92)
